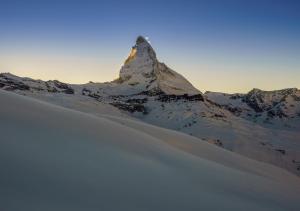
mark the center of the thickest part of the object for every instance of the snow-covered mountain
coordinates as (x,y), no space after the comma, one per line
(260,125)
(143,72)
(261,106)
(53,158)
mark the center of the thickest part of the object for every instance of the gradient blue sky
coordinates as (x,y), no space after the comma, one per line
(225,45)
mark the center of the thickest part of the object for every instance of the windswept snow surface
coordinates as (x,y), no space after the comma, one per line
(54,158)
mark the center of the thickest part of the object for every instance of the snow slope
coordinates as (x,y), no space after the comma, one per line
(53,158)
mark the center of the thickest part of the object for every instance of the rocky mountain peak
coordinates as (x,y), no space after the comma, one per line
(142,50)
(143,72)
(140,39)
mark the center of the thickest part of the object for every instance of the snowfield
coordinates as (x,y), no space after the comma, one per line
(55,158)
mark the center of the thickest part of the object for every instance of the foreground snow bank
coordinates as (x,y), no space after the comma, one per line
(52,158)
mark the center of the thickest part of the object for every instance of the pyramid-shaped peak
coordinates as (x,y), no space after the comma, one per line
(143,48)
(140,40)
(141,51)
(143,72)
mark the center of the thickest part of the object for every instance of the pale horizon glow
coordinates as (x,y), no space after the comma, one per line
(228,47)
(207,77)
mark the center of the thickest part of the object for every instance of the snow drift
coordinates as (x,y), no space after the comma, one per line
(53,158)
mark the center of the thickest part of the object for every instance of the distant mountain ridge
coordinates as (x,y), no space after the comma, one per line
(268,104)
(263,125)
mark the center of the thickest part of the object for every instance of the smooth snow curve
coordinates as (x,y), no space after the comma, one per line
(53,158)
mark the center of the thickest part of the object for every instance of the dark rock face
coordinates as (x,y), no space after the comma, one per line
(138,101)
(296,98)
(271,113)
(234,110)
(172,98)
(254,101)
(50,88)
(95,96)
(10,84)
(152,92)
(129,103)
(219,115)
(163,97)
(133,107)
(91,94)
(60,85)
(85,91)
(65,87)
(140,40)
(280,113)
(17,86)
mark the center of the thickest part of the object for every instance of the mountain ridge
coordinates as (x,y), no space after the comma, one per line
(262,125)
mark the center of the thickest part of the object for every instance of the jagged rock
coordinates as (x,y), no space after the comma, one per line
(11,85)
(138,101)
(170,98)
(271,113)
(133,107)
(65,87)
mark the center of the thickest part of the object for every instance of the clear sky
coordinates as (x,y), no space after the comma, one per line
(224,45)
